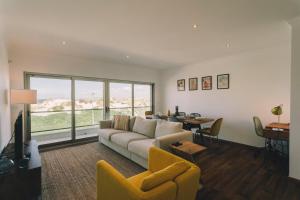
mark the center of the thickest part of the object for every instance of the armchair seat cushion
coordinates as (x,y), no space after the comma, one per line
(141,147)
(123,139)
(108,132)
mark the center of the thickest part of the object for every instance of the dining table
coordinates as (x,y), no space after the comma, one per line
(194,122)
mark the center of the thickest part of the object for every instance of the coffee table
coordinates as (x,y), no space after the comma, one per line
(188,150)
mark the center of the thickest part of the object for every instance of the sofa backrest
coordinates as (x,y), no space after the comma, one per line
(165,128)
(144,126)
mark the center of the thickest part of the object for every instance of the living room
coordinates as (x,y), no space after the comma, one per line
(137,56)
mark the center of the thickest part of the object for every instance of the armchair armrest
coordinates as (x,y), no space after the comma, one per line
(164,142)
(109,181)
(113,185)
(105,124)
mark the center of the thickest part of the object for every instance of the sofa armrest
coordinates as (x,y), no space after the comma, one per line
(113,185)
(105,124)
(164,142)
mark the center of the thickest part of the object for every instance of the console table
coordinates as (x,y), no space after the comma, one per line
(23,184)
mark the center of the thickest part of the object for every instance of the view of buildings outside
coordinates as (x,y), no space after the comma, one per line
(53,111)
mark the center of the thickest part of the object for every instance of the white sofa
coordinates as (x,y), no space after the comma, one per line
(143,133)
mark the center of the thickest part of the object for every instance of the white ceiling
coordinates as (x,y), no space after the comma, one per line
(154,33)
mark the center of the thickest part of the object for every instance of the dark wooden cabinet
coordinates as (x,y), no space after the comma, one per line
(23,183)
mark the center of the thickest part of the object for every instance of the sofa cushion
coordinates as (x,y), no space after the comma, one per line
(131,123)
(144,126)
(141,147)
(165,128)
(121,122)
(167,174)
(108,132)
(123,139)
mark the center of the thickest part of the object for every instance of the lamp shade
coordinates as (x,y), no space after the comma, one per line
(277,110)
(23,96)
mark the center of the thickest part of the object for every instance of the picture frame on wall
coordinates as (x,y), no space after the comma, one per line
(207,83)
(181,85)
(223,81)
(193,84)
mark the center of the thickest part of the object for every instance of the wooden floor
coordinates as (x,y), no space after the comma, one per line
(229,171)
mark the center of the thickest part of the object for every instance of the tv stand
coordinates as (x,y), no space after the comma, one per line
(23,182)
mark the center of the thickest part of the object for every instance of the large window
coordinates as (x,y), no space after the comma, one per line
(142,99)
(120,98)
(70,108)
(51,116)
(89,107)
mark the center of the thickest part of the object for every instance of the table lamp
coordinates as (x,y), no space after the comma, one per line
(24,97)
(277,110)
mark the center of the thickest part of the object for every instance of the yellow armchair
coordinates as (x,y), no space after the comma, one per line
(112,185)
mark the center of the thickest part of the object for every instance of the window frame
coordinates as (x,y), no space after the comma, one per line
(73,78)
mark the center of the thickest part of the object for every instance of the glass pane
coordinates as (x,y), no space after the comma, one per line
(141,111)
(51,116)
(142,99)
(89,103)
(120,98)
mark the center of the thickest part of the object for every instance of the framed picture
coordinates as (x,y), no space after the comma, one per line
(207,83)
(223,81)
(181,85)
(193,83)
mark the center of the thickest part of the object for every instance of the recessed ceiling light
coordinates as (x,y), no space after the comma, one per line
(127,57)
(63,42)
(195,26)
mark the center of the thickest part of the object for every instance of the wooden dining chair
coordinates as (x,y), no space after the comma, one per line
(148,112)
(173,119)
(195,115)
(213,131)
(183,114)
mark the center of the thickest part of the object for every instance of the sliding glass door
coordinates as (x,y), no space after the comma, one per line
(89,107)
(120,99)
(51,117)
(70,108)
(129,99)
(142,99)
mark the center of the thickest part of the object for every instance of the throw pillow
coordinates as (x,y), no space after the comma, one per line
(167,174)
(144,126)
(121,122)
(164,128)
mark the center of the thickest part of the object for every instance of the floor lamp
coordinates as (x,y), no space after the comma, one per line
(24,97)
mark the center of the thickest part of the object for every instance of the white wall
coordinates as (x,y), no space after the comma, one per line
(259,80)
(295,102)
(67,65)
(5,131)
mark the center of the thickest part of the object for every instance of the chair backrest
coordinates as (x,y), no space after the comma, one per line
(182,114)
(156,117)
(259,130)
(148,113)
(173,119)
(195,115)
(215,128)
